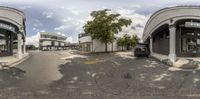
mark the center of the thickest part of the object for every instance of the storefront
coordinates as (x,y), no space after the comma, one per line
(174,32)
(12,32)
(189,39)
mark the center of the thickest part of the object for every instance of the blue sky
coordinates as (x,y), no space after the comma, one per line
(67,17)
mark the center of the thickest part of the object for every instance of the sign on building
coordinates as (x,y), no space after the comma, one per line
(192,24)
(7,27)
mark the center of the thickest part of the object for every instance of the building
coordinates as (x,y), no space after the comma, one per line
(12,32)
(52,41)
(174,31)
(86,44)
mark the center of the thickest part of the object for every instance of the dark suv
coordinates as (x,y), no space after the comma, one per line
(141,49)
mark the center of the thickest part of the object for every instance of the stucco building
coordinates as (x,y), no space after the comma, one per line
(52,41)
(86,44)
(12,32)
(174,31)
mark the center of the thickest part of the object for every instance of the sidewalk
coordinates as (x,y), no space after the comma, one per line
(13,60)
(181,62)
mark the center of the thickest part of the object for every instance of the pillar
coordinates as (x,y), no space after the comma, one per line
(151,44)
(172,43)
(19,45)
(11,43)
(24,47)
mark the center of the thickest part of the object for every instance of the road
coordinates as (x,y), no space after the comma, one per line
(70,75)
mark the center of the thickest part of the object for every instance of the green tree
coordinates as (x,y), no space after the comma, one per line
(127,41)
(134,40)
(104,25)
(121,42)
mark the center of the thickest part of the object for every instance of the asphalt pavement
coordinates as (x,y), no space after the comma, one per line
(71,75)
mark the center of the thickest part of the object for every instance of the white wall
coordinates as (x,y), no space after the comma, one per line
(62,44)
(98,46)
(45,43)
(85,39)
(56,43)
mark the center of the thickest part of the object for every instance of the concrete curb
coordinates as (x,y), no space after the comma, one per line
(163,61)
(19,61)
(167,62)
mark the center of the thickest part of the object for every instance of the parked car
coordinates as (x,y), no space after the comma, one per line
(141,49)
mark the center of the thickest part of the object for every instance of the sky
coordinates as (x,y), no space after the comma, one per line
(67,17)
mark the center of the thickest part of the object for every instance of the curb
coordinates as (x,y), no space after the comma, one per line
(169,64)
(163,61)
(19,61)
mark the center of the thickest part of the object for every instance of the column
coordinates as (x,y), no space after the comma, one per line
(172,43)
(24,47)
(11,43)
(19,45)
(151,44)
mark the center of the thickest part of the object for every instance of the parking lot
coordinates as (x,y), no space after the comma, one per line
(72,75)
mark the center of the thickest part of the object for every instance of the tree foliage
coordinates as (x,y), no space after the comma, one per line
(128,41)
(104,25)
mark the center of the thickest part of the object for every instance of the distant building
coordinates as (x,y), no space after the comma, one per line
(12,32)
(52,41)
(86,44)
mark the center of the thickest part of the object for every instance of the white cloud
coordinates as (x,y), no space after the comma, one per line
(33,40)
(42,31)
(71,9)
(138,22)
(37,23)
(59,33)
(72,23)
(48,14)
(62,27)
(25,7)
(70,39)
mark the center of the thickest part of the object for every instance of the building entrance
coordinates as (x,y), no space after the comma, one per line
(190,42)
(6,43)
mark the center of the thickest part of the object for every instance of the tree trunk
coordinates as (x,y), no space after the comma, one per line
(112,46)
(92,45)
(122,48)
(106,47)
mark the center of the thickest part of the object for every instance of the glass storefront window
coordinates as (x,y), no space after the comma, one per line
(3,46)
(190,41)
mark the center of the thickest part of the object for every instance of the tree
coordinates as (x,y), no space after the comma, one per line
(121,42)
(134,40)
(104,25)
(31,47)
(128,41)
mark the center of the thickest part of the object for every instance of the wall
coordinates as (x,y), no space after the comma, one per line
(100,47)
(97,46)
(45,43)
(85,39)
